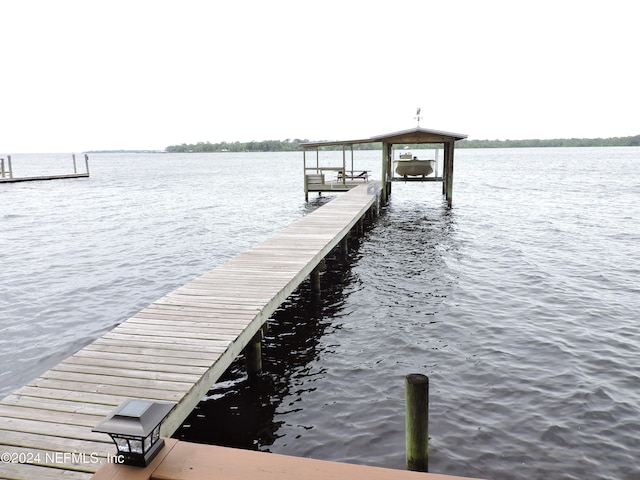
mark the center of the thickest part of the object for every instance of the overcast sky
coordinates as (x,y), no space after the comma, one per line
(134,74)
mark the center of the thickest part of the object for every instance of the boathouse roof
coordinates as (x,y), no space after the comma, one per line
(412,135)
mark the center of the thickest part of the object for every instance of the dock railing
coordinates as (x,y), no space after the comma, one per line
(4,170)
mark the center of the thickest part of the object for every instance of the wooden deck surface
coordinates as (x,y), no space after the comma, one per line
(173,350)
(188,461)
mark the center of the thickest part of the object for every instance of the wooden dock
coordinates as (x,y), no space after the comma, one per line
(173,350)
(44,177)
(183,460)
(6,172)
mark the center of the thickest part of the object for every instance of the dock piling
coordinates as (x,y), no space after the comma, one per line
(344,245)
(417,422)
(253,354)
(315,281)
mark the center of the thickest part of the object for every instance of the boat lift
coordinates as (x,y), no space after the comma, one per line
(320,179)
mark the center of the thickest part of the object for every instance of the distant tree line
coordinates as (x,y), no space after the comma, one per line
(289,145)
(558,142)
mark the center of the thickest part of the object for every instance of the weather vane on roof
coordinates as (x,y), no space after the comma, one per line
(418,117)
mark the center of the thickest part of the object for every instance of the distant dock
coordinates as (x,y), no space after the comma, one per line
(6,172)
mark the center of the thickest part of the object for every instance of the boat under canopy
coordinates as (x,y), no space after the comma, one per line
(330,178)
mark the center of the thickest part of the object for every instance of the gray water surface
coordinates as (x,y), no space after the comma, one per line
(520,303)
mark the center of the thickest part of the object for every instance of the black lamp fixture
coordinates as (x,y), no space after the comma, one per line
(135,429)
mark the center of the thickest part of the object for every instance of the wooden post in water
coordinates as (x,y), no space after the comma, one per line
(75,167)
(373,213)
(253,354)
(417,422)
(10,166)
(315,280)
(2,167)
(448,180)
(86,162)
(344,245)
(385,182)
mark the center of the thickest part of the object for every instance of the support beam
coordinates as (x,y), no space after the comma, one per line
(448,181)
(383,172)
(344,245)
(387,162)
(315,280)
(444,171)
(253,354)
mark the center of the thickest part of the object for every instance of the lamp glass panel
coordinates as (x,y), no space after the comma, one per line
(156,434)
(136,446)
(122,444)
(147,443)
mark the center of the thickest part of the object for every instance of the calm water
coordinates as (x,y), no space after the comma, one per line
(520,303)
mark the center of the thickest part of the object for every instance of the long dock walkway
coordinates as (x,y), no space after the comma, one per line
(172,350)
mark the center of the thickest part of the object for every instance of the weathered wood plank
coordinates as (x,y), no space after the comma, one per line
(103,388)
(195,301)
(111,356)
(104,379)
(24,412)
(57,405)
(55,443)
(135,346)
(81,397)
(126,372)
(50,429)
(182,307)
(202,333)
(143,365)
(16,471)
(213,302)
(184,322)
(211,345)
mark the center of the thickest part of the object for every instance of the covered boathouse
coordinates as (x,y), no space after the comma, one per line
(319,178)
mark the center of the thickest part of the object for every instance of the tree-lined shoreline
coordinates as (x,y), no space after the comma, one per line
(290,145)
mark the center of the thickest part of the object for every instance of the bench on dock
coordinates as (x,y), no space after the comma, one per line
(354,175)
(314,179)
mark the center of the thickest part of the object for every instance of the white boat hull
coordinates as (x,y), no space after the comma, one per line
(414,168)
